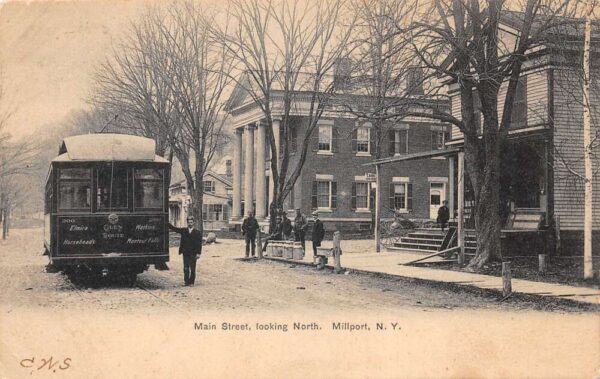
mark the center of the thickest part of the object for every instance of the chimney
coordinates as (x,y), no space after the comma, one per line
(342,73)
(228,169)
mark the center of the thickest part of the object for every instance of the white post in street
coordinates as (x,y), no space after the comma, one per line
(249,169)
(377,209)
(587,142)
(261,194)
(236,211)
(461,207)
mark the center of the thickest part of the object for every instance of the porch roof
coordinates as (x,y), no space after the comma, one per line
(415,156)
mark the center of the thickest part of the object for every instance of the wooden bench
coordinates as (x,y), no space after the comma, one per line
(285,249)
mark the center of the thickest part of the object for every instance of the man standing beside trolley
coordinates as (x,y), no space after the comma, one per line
(190,247)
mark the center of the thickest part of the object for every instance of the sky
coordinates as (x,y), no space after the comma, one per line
(48,53)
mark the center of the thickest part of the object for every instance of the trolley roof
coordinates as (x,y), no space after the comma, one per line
(108,147)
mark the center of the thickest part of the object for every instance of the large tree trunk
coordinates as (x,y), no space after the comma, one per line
(488,223)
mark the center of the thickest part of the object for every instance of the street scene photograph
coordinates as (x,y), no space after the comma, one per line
(300,188)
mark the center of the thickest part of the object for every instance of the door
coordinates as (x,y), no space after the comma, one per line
(437,195)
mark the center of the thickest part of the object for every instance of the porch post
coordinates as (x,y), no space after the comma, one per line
(451,163)
(461,207)
(249,170)
(377,209)
(236,212)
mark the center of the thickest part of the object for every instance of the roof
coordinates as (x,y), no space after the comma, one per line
(414,156)
(108,147)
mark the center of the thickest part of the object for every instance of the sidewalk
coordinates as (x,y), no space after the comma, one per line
(390,263)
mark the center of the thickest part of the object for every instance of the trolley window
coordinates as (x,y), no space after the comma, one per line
(111,190)
(75,189)
(149,188)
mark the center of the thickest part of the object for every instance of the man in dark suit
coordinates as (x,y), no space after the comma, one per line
(443,215)
(276,235)
(318,232)
(190,247)
(249,229)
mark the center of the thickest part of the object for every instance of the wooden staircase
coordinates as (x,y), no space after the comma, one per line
(430,240)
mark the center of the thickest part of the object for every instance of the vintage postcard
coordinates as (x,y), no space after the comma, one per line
(299,189)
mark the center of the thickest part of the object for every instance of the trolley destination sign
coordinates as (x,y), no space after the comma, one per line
(91,234)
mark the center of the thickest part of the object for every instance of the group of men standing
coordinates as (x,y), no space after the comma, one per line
(283,231)
(191,238)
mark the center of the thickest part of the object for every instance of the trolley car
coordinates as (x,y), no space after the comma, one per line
(106,206)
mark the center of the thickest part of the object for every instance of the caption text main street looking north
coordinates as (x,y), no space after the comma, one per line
(284,327)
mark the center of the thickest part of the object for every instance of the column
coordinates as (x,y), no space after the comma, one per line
(236,211)
(249,169)
(261,195)
(461,207)
(451,163)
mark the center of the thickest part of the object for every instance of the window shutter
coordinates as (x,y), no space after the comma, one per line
(293,140)
(433,139)
(353,204)
(354,138)
(392,195)
(409,199)
(372,141)
(403,142)
(334,139)
(333,195)
(314,195)
(392,141)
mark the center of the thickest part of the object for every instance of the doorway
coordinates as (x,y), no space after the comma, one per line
(437,195)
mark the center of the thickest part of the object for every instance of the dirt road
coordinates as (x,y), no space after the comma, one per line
(161,329)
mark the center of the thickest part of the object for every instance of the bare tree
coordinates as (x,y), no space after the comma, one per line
(381,65)
(16,159)
(170,78)
(285,50)
(461,42)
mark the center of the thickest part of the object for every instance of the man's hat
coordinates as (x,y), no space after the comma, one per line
(297,209)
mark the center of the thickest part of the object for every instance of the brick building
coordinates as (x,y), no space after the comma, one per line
(333,179)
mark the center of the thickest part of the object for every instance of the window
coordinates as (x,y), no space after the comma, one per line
(518,117)
(149,188)
(414,81)
(213,212)
(400,196)
(325,138)
(75,189)
(324,194)
(362,140)
(111,187)
(401,141)
(438,139)
(209,186)
(362,195)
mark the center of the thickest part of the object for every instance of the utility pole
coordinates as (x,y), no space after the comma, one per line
(587,144)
